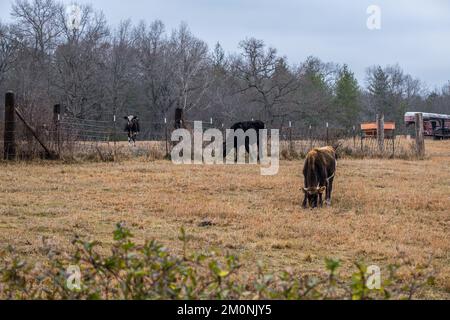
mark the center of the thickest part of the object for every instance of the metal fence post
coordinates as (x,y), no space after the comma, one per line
(354,137)
(310,138)
(115,136)
(291,147)
(56,125)
(167,138)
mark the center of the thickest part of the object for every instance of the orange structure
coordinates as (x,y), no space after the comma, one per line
(369,130)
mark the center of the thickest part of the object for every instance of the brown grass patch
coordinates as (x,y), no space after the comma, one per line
(382,209)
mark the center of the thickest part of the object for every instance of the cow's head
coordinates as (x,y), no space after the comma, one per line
(312,194)
(131,120)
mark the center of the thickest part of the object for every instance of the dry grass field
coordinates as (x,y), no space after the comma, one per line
(382,210)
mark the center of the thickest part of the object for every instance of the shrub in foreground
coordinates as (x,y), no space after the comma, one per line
(150,271)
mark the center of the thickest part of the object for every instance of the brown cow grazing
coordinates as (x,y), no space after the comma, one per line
(319,171)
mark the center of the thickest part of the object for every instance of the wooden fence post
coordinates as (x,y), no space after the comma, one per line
(420,143)
(10,128)
(393,143)
(178,118)
(361,136)
(380,132)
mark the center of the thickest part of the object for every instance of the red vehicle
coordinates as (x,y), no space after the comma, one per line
(434,124)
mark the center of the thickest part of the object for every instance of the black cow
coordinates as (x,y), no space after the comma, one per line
(132,128)
(245,126)
(319,171)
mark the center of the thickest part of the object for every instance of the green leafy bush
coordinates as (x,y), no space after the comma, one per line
(150,271)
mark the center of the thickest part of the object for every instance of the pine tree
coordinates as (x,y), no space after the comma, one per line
(379,89)
(316,94)
(347,102)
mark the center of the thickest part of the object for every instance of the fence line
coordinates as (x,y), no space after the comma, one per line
(67,131)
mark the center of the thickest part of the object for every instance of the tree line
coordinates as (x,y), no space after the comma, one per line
(96,70)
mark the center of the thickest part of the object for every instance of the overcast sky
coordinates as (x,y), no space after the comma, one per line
(414,33)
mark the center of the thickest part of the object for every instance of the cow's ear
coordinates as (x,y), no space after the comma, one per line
(126,118)
(135,118)
(322,189)
(305,190)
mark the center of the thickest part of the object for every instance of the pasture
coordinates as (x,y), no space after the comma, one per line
(383,210)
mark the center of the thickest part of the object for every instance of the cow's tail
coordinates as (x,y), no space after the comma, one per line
(334,172)
(336,146)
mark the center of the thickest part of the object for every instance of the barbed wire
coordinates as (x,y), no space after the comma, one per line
(73,130)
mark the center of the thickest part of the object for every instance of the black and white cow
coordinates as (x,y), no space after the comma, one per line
(132,128)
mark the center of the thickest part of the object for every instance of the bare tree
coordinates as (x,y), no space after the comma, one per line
(224,103)
(37,22)
(79,63)
(35,31)
(266,78)
(155,67)
(120,66)
(8,47)
(191,65)
(49,57)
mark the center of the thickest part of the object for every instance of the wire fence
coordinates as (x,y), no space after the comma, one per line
(72,137)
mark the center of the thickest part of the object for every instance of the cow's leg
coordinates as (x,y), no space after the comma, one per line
(329,190)
(257,146)
(304,204)
(320,204)
(235,146)
(247,145)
